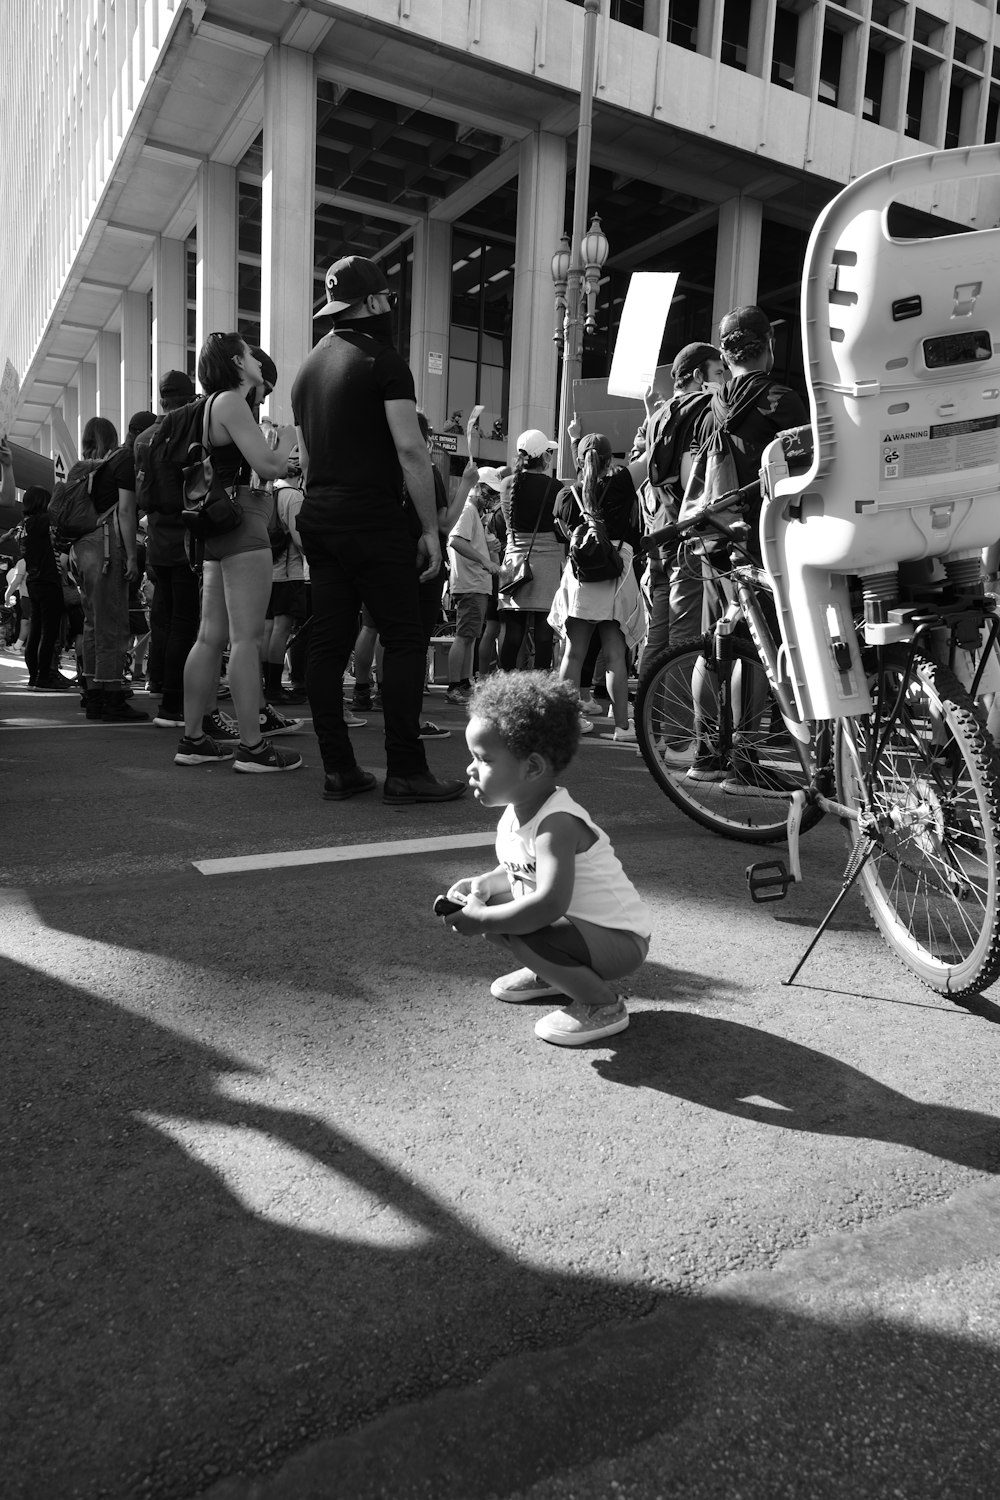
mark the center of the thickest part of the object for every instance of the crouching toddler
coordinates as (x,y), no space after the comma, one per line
(558,901)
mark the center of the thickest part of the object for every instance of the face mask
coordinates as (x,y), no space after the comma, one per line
(379,327)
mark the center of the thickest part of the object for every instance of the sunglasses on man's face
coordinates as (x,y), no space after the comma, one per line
(391,298)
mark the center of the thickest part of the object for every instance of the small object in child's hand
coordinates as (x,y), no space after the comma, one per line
(444,906)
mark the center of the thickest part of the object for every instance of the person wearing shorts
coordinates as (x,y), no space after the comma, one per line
(473,570)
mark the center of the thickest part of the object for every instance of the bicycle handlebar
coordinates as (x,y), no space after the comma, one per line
(705,516)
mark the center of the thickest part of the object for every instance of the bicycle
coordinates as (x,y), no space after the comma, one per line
(915,782)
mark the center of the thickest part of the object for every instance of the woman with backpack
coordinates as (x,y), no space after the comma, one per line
(236,584)
(106,563)
(598,586)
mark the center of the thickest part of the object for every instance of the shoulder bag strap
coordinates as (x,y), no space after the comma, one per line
(538,518)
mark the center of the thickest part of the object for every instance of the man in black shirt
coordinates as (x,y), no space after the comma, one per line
(354,405)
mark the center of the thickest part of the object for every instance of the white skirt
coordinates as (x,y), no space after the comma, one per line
(617,599)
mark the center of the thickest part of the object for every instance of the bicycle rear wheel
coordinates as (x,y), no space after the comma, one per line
(931,880)
(716,743)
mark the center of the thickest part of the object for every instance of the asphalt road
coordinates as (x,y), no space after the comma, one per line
(292,1208)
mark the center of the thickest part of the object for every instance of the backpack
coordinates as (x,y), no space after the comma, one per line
(668,439)
(72,513)
(161,455)
(714,472)
(593,556)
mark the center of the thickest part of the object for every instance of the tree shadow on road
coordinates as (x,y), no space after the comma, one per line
(756,1075)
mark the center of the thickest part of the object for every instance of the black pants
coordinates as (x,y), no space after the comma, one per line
(43,630)
(515,625)
(173,618)
(346,570)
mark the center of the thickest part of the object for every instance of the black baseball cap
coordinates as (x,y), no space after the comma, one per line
(692,357)
(175,385)
(351,280)
(268,368)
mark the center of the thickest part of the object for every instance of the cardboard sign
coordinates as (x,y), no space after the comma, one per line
(640,332)
(10,385)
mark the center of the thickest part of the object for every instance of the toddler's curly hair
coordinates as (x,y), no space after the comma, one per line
(532,712)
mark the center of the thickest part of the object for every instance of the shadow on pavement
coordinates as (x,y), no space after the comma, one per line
(161,1337)
(155,1329)
(756,1075)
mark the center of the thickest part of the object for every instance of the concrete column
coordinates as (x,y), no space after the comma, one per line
(169,308)
(430,335)
(45,439)
(86,380)
(109,378)
(287,217)
(216,284)
(71,413)
(541,220)
(136,384)
(737,258)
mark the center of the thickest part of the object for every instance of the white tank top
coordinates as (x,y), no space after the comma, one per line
(602,892)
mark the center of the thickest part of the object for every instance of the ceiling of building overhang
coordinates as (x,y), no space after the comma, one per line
(403,135)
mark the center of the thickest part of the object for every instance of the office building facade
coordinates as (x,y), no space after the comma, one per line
(177,166)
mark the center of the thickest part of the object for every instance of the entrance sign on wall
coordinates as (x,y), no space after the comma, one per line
(640,332)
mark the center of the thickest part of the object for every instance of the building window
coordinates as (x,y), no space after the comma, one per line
(629,12)
(248,250)
(829,67)
(914,104)
(682,24)
(482,311)
(874,82)
(736,34)
(953,125)
(786,40)
(191,299)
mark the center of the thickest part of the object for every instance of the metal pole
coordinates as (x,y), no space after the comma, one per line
(573,324)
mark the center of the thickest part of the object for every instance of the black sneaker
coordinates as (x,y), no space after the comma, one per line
(362,699)
(221,728)
(421,788)
(201,752)
(271,722)
(264,757)
(286,696)
(429,731)
(748,779)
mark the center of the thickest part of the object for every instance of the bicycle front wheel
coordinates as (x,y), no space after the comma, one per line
(716,743)
(930,881)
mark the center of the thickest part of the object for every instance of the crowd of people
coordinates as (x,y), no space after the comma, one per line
(348,538)
(341,541)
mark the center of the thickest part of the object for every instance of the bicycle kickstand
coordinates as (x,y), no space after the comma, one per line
(855,865)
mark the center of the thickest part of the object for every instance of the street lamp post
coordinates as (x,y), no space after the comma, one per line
(576,265)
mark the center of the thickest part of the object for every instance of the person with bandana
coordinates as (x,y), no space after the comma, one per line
(354,405)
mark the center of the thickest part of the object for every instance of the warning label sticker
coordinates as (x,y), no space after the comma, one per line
(945,448)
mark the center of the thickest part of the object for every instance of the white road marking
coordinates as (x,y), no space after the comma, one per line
(290,857)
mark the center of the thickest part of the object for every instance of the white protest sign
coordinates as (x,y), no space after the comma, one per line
(640,332)
(10,384)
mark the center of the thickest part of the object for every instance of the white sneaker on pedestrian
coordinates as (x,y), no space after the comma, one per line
(522,984)
(586,725)
(577,1024)
(625,736)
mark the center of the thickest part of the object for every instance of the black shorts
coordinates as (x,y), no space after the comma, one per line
(288,598)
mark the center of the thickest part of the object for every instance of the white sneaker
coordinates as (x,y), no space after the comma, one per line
(522,984)
(577,1024)
(625,736)
(586,725)
(590,705)
(351,719)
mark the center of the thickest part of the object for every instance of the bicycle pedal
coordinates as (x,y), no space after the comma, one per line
(768,881)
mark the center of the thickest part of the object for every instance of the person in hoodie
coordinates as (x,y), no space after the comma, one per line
(751,411)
